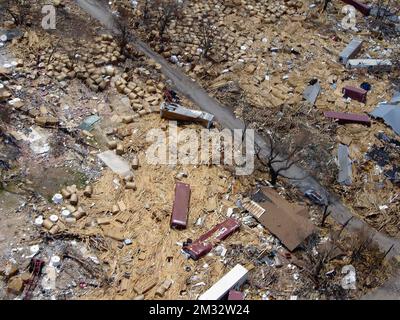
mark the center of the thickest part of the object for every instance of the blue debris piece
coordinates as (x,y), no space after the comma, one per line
(89,122)
(366,86)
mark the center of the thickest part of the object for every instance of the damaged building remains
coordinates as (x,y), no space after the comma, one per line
(88,89)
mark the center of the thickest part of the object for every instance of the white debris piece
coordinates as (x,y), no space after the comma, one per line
(115,163)
(39,221)
(127,242)
(65,213)
(14,101)
(174,59)
(94,259)
(34,250)
(199,222)
(348,282)
(55,261)
(53,218)
(57,198)
(38,141)
(49,279)
(221,250)
(232,279)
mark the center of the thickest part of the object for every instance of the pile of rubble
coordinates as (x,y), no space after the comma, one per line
(276,70)
(136,230)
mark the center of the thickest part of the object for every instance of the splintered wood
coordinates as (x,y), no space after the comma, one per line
(153,264)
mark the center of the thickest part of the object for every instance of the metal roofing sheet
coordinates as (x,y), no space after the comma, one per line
(348,117)
(390,113)
(396,98)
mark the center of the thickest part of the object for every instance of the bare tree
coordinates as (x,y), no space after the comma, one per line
(159,14)
(123,24)
(54,48)
(9,152)
(294,136)
(146,12)
(327,212)
(17,9)
(316,263)
(326,3)
(167,11)
(206,34)
(361,243)
(325,215)
(282,155)
(386,19)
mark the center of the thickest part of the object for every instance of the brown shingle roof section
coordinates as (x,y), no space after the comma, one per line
(287,221)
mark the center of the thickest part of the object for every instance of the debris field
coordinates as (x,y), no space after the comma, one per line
(85,213)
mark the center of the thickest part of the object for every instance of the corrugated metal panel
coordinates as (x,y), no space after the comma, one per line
(348,117)
(382,110)
(180,209)
(396,98)
(390,114)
